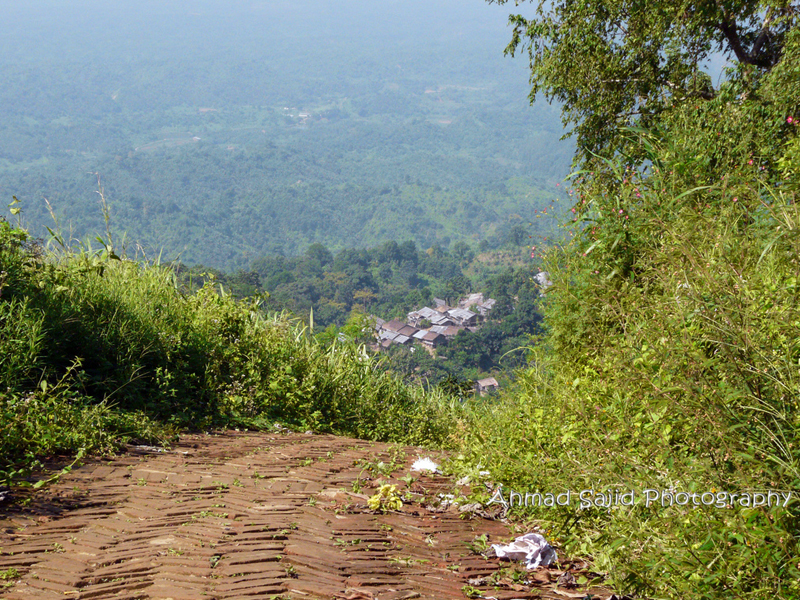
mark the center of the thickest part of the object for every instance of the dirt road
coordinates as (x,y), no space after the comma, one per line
(245,515)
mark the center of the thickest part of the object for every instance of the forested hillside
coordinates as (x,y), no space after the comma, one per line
(222,133)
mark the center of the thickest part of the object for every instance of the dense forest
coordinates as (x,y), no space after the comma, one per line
(336,292)
(219,153)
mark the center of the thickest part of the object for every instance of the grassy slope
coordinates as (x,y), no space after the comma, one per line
(96,350)
(670,360)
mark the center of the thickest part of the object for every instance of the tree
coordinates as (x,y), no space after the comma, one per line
(365,297)
(319,253)
(617,63)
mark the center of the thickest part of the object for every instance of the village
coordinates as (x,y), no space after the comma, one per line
(434,327)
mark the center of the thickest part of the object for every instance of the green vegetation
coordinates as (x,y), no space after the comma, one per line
(670,356)
(498,348)
(388,282)
(617,63)
(97,350)
(221,151)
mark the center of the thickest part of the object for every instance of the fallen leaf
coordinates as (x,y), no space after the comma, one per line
(542,576)
(567,580)
(356,594)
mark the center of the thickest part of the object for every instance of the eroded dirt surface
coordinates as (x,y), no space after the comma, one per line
(246,515)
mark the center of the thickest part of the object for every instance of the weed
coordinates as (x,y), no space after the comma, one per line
(471,592)
(409,479)
(386,498)
(479,544)
(291,572)
(342,542)
(10,573)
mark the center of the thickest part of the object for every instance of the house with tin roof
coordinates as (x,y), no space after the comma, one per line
(462,316)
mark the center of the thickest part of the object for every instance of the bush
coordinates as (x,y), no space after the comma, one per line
(97,350)
(671,359)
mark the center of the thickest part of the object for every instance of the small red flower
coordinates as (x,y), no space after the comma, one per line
(789,120)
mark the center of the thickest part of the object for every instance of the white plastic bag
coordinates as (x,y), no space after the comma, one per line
(531,548)
(425,464)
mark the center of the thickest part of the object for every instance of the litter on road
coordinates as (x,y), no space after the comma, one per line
(531,548)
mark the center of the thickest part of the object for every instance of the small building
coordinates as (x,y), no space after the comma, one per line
(433,339)
(420,334)
(441,319)
(463,317)
(408,331)
(385,334)
(484,386)
(448,331)
(394,325)
(486,306)
(425,313)
(471,300)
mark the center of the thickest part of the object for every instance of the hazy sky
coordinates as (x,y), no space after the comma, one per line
(124,25)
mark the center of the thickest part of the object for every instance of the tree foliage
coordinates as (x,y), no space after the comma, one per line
(670,351)
(617,63)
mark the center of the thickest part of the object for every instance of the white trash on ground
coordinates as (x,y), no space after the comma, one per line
(425,464)
(531,548)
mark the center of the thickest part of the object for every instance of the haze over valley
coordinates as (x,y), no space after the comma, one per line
(223,132)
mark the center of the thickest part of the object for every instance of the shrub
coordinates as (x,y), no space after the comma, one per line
(671,359)
(98,349)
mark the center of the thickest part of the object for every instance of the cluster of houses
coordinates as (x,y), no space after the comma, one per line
(433,327)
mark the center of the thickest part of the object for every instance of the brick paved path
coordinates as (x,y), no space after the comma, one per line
(245,515)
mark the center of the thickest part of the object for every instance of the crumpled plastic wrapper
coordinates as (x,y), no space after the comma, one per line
(531,548)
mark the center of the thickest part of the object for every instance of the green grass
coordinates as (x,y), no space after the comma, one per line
(671,358)
(670,362)
(98,350)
